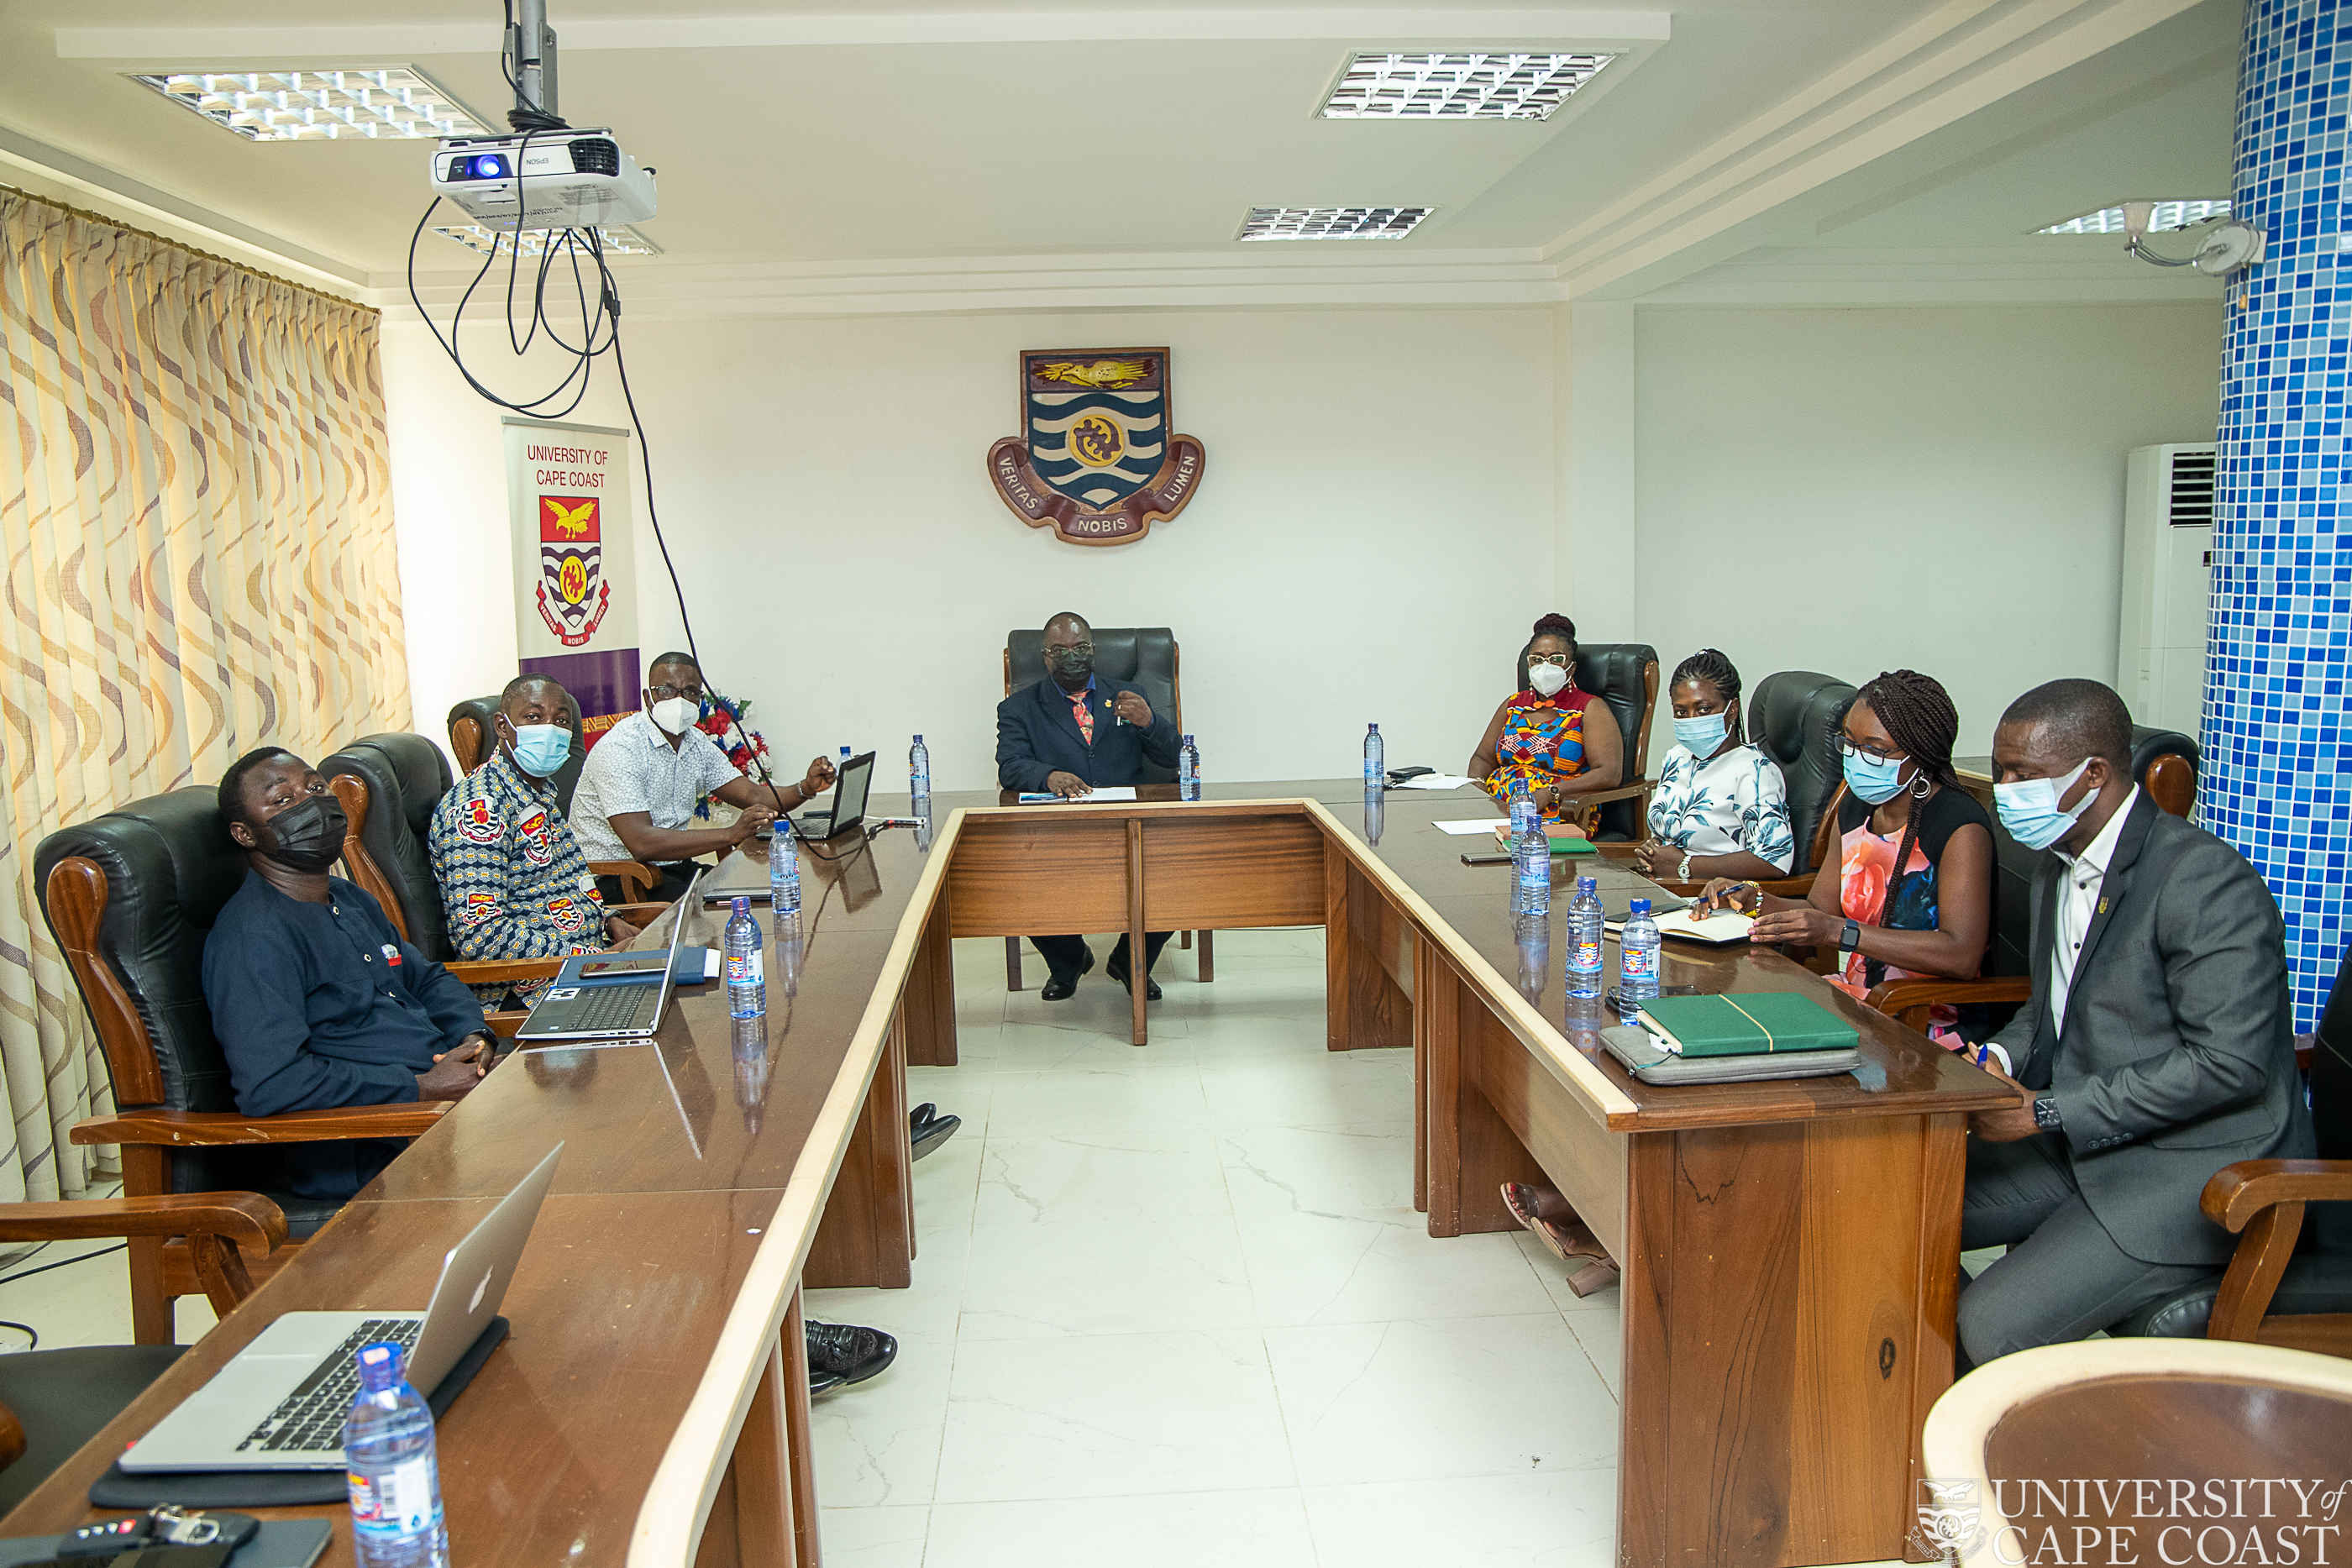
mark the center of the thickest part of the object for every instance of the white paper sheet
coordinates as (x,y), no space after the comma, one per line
(1468,826)
(1723,926)
(1108,792)
(1434,781)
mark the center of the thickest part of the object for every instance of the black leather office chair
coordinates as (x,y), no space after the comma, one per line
(1626,676)
(2165,763)
(131,898)
(469,741)
(1146,658)
(1794,718)
(399,778)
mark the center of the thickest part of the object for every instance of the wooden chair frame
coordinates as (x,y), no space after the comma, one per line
(165,1265)
(1638,785)
(1208,950)
(2260,1202)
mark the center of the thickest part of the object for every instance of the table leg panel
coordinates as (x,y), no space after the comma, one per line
(865,1237)
(930,997)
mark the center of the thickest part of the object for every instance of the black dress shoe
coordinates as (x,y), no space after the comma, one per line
(846,1354)
(1117,971)
(930,1134)
(922,1113)
(1057,987)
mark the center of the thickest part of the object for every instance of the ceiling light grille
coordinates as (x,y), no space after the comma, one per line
(2169,216)
(1496,86)
(1332,223)
(484,241)
(395,103)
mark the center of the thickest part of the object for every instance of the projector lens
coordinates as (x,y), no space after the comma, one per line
(489,166)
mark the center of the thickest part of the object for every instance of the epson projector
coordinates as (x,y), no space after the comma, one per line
(570,179)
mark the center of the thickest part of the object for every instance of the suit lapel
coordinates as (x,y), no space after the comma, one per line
(1057,710)
(2113,887)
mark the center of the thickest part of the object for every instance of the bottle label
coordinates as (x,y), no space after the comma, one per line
(743,969)
(1637,961)
(402,1500)
(1584,958)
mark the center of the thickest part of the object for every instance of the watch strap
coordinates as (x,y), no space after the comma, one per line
(1850,940)
(2045,1113)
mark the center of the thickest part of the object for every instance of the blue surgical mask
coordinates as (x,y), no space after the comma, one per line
(2029,807)
(1875,780)
(541,748)
(1701,735)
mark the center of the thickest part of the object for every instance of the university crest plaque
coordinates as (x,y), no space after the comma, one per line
(1098,461)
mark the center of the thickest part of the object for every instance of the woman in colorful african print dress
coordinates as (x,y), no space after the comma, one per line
(1561,742)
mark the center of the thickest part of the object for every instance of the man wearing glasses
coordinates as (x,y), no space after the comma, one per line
(640,785)
(1068,735)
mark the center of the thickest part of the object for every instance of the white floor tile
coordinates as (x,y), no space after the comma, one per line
(1148,1095)
(928,1309)
(1351,1089)
(1031,1046)
(873,1537)
(1277,1172)
(1561,1521)
(957,1092)
(1192,1529)
(1313,1268)
(1400,1401)
(1061,1277)
(1602,1336)
(1111,1415)
(1142,1175)
(947,1183)
(877,1443)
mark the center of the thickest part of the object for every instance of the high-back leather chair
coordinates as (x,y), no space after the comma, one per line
(389,785)
(470,740)
(1794,718)
(131,898)
(2166,762)
(1626,676)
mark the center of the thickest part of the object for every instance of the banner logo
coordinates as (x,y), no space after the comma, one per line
(571,563)
(1098,462)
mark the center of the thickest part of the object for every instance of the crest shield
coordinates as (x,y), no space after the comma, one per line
(1098,461)
(571,598)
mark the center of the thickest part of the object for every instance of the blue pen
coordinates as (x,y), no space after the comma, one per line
(1981,1050)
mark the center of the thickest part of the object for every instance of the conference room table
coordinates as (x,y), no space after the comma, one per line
(1790,1249)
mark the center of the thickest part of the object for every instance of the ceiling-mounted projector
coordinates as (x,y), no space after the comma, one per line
(544,179)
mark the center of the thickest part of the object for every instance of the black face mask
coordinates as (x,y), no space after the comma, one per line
(307,836)
(1069,667)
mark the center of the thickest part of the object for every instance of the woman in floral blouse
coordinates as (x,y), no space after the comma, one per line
(1721,808)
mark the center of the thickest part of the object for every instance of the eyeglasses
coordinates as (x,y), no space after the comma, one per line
(663,694)
(1072,651)
(1557,661)
(1847,747)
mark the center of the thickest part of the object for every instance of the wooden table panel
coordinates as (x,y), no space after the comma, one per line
(1581,1156)
(1216,873)
(1017,875)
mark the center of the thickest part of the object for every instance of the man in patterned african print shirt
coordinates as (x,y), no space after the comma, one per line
(512,880)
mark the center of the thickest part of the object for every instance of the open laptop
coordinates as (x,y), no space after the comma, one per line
(627,1008)
(279,1404)
(848,808)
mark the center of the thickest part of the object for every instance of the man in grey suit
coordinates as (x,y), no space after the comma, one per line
(2159,1045)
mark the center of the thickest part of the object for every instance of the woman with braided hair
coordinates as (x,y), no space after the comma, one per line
(1557,740)
(1914,890)
(1721,808)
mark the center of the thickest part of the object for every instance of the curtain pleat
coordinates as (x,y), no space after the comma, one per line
(196,558)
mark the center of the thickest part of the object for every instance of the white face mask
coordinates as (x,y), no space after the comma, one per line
(1546,679)
(676,716)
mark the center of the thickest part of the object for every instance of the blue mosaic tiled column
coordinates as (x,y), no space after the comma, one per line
(2275,774)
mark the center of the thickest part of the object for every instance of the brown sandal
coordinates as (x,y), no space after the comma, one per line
(1573,1243)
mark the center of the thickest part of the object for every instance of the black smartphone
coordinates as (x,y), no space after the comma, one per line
(1496,857)
(156,1555)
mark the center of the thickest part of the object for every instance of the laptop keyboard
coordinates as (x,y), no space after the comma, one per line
(311,1419)
(608,1007)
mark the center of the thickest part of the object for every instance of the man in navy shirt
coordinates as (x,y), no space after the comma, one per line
(316,1000)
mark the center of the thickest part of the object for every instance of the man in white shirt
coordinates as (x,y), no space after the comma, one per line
(2158,1046)
(642,781)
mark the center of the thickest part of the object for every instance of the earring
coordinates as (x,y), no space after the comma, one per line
(1920,788)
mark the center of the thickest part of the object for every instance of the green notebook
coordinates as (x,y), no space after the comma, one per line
(1747,1024)
(1564,841)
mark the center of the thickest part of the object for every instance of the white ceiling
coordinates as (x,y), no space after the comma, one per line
(807,137)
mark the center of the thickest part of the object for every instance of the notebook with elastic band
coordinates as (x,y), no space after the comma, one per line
(1749,1024)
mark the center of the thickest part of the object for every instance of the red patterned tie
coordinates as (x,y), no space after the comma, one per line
(1083,713)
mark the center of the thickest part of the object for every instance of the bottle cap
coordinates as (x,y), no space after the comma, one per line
(1587,885)
(1373,729)
(1639,906)
(743,906)
(381,1365)
(918,740)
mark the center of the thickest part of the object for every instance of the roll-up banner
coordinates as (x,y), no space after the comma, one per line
(575,567)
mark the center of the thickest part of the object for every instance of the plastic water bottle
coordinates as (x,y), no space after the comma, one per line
(747,989)
(1188,770)
(1375,808)
(1637,960)
(1530,857)
(1532,934)
(844,764)
(395,1480)
(1524,814)
(1376,772)
(783,871)
(1584,933)
(919,769)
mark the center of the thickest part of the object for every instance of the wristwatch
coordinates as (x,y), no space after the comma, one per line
(1851,939)
(2045,1113)
(1681,873)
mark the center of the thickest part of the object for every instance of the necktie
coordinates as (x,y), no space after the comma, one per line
(1085,713)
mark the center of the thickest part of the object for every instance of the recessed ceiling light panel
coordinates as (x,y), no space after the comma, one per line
(484,241)
(395,103)
(1499,86)
(2169,216)
(1332,223)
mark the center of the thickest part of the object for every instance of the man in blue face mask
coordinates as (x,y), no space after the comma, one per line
(513,882)
(2157,1047)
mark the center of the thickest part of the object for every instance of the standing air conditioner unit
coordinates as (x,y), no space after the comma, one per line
(2168,584)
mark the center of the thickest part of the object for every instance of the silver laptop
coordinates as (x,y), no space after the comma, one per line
(630,1007)
(848,808)
(279,1404)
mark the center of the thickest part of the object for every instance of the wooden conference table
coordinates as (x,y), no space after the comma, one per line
(1789,1251)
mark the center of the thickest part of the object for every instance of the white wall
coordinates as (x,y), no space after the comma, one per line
(1858,490)
(1373,535)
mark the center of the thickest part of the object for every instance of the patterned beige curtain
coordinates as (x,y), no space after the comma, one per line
(196,556)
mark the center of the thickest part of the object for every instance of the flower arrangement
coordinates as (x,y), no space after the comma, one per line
(728,721)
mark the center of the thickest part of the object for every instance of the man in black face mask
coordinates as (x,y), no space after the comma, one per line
(316,1001)
(1068,734)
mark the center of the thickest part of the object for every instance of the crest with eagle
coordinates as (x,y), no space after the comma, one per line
(1098,462)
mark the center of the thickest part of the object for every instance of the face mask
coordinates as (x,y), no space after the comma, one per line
(1703,735)
(541,748)
(1070,667)
(1874,779)
(2029,807)
(1546,679)
(676,716)
(307,836)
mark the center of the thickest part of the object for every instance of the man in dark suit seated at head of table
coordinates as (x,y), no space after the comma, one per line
(1066,735)
(2159,1045)
(316,1001)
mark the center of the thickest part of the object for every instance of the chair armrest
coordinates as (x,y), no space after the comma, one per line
(243,1217)
(1799,886)
(192,1128)
(639,915)
(2239,1192)
(499,971)
(1625,791)
(1908,1001)
(636,879)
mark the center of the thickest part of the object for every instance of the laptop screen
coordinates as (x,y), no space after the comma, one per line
(850,795)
